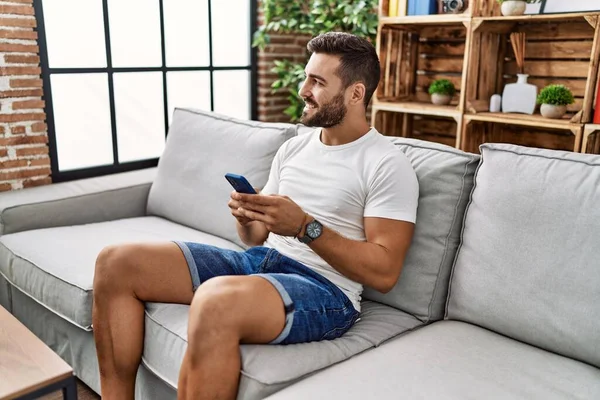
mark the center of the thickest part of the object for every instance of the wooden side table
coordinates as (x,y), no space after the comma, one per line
(28,368)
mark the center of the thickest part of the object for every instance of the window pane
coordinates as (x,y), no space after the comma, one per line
(140,115)
(84,49)
(188,89)
(135,33)
(231,32)
(81,120)
(186,33)
(232,93)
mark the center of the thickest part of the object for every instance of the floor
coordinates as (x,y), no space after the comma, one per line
(83,393)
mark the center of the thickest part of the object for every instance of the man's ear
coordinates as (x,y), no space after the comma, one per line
(358,93)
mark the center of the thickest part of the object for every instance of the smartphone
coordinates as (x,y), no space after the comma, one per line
(240,184)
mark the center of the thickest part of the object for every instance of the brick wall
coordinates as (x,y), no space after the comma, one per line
(282,46)
(24,160)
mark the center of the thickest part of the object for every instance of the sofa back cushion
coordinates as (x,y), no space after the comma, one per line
(190,187)
(529,263)
(445,181)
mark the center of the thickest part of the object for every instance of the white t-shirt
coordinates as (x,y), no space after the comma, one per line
(339,186)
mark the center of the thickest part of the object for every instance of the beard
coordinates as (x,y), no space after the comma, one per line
(325,116)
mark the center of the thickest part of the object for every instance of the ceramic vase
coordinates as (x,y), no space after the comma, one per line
(513,7)
(495,103)
(440,99)
(552,111)
(519,97)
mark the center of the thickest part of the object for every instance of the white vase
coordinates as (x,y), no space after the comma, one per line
(519,97)
(553,111)
(440,99)
(495,103)
(513,7)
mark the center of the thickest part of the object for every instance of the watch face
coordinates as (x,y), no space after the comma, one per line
(314,229)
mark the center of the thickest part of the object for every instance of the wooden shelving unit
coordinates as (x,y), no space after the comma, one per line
(473,51)
(420,108)
(591,139)
(525,130)
(439,19)
(414,51)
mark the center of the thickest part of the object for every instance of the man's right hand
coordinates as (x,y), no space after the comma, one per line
(234,206)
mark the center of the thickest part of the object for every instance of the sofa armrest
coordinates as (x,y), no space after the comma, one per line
(105,198)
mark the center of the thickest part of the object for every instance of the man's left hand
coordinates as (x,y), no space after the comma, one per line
(279,213)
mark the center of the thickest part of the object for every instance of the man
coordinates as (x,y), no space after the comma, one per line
(337,213)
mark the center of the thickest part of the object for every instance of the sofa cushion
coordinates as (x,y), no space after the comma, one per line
(268,368)
(190,187)
(528,265)
(445,181)
(451,360)
(55,266)
(81,201)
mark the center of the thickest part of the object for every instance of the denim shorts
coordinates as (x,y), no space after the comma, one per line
(316,309)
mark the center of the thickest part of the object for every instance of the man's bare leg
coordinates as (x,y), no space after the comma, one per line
(225,312)
(125,277)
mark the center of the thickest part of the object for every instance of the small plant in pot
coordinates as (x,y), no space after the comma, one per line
(515,7)
(554,100)
(441,91)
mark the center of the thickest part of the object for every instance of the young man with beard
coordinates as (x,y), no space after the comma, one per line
(337,213)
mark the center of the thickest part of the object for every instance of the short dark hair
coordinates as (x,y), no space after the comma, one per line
(358,59)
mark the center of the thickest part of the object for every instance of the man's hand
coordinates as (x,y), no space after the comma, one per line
(279,213)
(235,205)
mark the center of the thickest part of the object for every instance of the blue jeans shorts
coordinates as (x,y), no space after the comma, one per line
(316,309)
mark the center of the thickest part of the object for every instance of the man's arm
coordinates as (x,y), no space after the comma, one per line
(376,263)
(253,233)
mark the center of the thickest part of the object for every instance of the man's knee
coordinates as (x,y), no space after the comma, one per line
(213,309)
(112,268)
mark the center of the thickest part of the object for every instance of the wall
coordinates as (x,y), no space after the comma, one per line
(24,160)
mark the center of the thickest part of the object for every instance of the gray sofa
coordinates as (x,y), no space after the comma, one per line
(499,296)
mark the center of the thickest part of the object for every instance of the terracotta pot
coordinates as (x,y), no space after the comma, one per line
(440,99)
(513,7)
(552,111)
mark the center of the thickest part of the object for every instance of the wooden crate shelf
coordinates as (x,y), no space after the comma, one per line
(411,59)
(591,139)
(560,49)
(535,120)
(523,129)
(439,129)
(476,132)
(436,19)
(418,108)
(474,52)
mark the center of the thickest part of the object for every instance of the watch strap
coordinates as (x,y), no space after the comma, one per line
(305,239)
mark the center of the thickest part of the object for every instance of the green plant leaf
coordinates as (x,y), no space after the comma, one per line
(558,95)
(442,86)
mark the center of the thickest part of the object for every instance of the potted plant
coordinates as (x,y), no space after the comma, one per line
(554,100)
(441,91)
(514,7)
